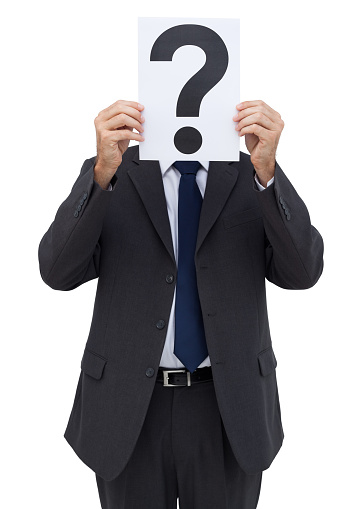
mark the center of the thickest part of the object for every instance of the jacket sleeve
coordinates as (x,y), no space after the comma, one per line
(294,247)
(69,252)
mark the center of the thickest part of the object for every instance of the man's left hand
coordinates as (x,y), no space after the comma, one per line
(262,127)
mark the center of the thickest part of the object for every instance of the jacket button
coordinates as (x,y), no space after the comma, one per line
(281,199)
(79,208)
(169,278)
(149,372)
(76,213)
(288,216)
(160,324)
(81,201)
(84,196)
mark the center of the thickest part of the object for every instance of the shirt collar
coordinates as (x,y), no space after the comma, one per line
(166,165)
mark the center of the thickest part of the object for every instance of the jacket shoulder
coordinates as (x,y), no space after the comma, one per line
(132,151)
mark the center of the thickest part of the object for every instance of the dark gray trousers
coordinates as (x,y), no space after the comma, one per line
(182,452)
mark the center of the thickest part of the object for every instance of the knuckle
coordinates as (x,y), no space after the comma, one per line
(97,120)
(105,135)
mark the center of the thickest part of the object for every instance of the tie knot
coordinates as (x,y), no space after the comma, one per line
(187,166)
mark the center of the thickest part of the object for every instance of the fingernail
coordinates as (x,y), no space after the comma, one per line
(236,115)
(140,105)
(240,105)
(142,118)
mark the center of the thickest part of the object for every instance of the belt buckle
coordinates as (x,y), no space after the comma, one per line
(165,374)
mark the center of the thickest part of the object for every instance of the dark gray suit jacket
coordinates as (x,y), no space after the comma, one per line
(123,237)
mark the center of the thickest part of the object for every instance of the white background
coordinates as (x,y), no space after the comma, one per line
(160,84)
(64,62)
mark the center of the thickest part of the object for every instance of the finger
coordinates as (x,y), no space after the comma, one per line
(261,110)
(260,131)
(129,107)
(121,120)
(125,134)
(257,118)
(248,107)
(248,104)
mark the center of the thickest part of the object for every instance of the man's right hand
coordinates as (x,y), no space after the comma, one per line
(114,128)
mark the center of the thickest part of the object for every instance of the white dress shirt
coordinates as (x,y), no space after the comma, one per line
(171,178)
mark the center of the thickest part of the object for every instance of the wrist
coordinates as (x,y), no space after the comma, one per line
(264,176)
(263,181)
(103,175)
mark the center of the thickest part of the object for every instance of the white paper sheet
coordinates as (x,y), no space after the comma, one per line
(161,82)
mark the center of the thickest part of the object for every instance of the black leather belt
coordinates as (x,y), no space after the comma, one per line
(177,377)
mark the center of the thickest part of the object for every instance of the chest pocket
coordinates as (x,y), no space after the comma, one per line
(242,217)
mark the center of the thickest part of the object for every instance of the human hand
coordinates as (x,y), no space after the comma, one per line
(114,129)
(262,127)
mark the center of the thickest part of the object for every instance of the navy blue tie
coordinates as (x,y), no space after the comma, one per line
(190,343)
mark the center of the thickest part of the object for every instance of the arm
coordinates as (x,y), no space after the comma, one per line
(69,252)
(294,248)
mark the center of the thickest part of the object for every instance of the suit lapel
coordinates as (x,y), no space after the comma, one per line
(221,179)
(147,179)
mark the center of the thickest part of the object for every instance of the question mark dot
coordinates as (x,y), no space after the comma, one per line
(187,140)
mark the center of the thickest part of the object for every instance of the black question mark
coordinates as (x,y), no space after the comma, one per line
(188,139)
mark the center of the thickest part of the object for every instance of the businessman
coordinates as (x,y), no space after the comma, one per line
(177,397)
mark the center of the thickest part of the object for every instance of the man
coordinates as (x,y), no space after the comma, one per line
(181,250)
